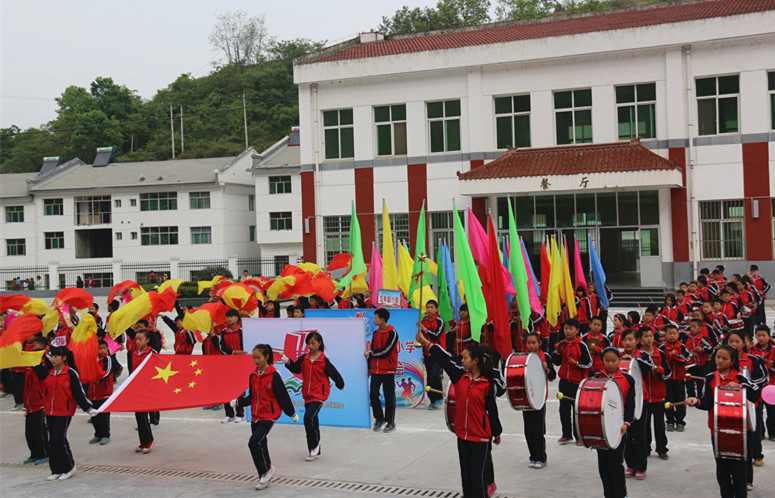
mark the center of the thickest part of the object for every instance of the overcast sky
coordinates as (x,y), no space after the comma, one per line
(49,45)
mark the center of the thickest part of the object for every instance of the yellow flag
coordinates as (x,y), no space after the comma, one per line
(427,295)
(359,285)
(405,264)
(433,267)
(206,284)
(315,269)
(570,293)
(555,279)
(172,282)
(389,269)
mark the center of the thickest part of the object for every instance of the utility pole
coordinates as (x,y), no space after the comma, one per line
(182,144)
(172,132)
(245,118)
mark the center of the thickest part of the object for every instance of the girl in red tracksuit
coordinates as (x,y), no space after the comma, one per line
(621,323)
(675,386)
(383,359)
(34,401)
(432,327)
(635,451)
(143,350)
(461,334)
(765,350)
(268,399)
(572,356)
(655,391)
(63,392)
(596,334)
(476,419)
(99,391)
(316,371)
(583,309)
(231,343)
(730,473)
(535,420)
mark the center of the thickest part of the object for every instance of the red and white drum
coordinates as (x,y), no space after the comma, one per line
(736,324)
(730,409)
(632,367)
(599,413)
(449,408)
(526,382)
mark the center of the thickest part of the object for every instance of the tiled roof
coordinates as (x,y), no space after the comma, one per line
(549,27)
(571,160)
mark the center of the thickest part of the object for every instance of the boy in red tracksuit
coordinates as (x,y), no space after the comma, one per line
(383,358)
(316,371)
(655,391)
(211,345)
(98,392)
(699,346)
(231,343)
(765,349)
(144,430)
(649,317)
(572,356)
(535,420)
(583,309)
(675,386)
(596,334)
(462,334)
(34,399)
(184,339)
(432,327)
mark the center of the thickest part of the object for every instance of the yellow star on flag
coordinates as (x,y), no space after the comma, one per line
(164,373)
(198,371)
(176,391)
(192,364)
(192,384)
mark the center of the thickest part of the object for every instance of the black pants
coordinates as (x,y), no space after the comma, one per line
(758,316)
(676,392)
(655,415)
(635,449)
(154,417)
(35,432)
(694,386)
(60,458)
(387,382)
(230,411)
(18,387)
(311,423)
(259,447)
(6,377)
(144,428)
(604,318)
(554,337)
(751,446)
(609,465)
(101,422)
(770,425)
(535,428)
(567,409)
(473,457)
(489,468)
(433,371)
(756,447)
(730,475)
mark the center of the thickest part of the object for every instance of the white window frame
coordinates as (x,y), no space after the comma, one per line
(635,104)
(513,114)
(716,98)
(391,122)
(573,109)
(444,119)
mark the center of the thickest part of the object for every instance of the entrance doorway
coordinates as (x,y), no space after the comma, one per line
(619,249)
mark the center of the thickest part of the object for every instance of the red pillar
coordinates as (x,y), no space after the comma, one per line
(479,204)
(756,187)
(364,205)
(309,240)
(417,176)
(678,206)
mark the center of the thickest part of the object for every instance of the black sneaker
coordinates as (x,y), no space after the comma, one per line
(389,427)
(663,456)
(378,425)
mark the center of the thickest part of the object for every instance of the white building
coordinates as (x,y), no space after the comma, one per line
(399,118)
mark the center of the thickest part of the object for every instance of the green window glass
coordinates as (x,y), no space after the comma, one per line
(635,111)
(512,121)
(717,104)
(573,116)
(391,129)
(444,125)
(338,134)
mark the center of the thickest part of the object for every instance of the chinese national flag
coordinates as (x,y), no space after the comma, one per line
(174,382)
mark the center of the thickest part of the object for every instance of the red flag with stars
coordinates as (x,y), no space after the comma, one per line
(174,382)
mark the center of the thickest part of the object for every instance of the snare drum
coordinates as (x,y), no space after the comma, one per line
(729,423)
(600,413)
(736,324)
(632,367)
(526,381)
(449,408)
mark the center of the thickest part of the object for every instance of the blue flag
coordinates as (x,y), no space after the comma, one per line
(449,275)
(505,261)
(598,274)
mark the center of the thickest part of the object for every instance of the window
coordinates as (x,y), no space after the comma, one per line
(338,134)
(399,228)
(133,235)
(15,247)
(14,214)
(771,87)
(199,200)
(279,184)
(54,240)
(717,104)
(251,202)
(336,231)
(442,229)
(573,116)
(201,235)
(92,210)
(117,203)
(512,121)
(133,202)
(252,233)
(159,201)
(391,130)
(119,236)
(444,125)
(281,221)
(158,236)
(721,228)
(53,207)
(279,264)
(635,107)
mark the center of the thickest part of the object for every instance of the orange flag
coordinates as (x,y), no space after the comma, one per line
(75,297)
(83,344)
(239,297)
(202,318)
(25,304)
(342,260)
(151,303)
(324,287)
(120,288)
(11,342)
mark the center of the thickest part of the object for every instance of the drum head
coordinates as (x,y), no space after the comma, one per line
(637,376)
(535,382)
(613,414)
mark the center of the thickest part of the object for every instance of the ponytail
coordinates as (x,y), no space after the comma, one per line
(483,355)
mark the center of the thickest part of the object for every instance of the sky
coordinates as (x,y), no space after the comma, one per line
(46,46)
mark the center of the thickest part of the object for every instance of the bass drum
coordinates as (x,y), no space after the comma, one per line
(600,413)
(526,381)
(632,367)
(729,423)
(449,408)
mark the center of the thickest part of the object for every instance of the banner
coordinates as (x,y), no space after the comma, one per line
(410,380)
(344,345)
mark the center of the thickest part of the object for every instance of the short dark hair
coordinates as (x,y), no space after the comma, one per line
(643,330)
(383,314)
(533,334)
(754,268)
(671,326)
(464,307)
(596,318)
(763,327)
(113,305)
(266,350)
(143,322)
(315,335)
(232,312)
(433,302)
(102,343)
(571,322)
(96,306)
(651,308)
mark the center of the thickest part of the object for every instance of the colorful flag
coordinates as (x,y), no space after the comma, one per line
(122,287)
(570,291)
(445,304)
(466,270)
(202,318)
(375,274)
(339,261)
(315,269)
(324,287)
(578,267)
(532,285)
(546,270)
(598,274)
(172,283)
(553,297)
(499,313)
(477,239)
(75,297)
(404,270)
(356,250)
(389,267)
(25,304)
(206,284)
(240,297)
(174,382)
(452,283)
(83,344)
(12,339)
(517,267)
(150,303)
(421,272)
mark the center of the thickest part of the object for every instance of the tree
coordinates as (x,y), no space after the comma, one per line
(448,14)
(242,39)
(516,10)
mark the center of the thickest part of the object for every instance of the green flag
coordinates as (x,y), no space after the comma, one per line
(421,272)
(445,304)
(518,271)
(472,286)
(357,265)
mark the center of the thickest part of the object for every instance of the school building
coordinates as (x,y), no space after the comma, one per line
(650,130)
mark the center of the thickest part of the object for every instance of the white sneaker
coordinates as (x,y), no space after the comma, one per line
(53,477)
(266,478)
(262,485)
(18,408)
(239,420)
(313,454)
(226,420)
(67,475)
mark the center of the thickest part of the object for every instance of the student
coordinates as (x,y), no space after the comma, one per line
(317,372)
(730,473)
(635,452)
(572,356)
(142,341)
(98,392)
(765,350)
(609,462)
(299,311)
(63,392)
(518,333)
(535,420)
(34,399)
(671,312)
(476,419)
(649,321)
(211,345)
(461,334)
(700,348)
(383,357)
(762,288)
(269,310)
(634,318)
(675,386)
(583,309)
(432,327)
(184,339)
(596,334)
(289,311)
(268,399)
(621,323)
(231,343)
(655,391)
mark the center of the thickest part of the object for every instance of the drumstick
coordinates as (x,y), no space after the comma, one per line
(431,390)
(561,396)
(694,377)
(669,405)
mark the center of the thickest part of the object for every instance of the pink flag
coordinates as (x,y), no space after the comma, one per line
(535,301)
(579,269)
(477,239)
(375,274)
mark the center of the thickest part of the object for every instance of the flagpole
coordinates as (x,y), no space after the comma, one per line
(422,258)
